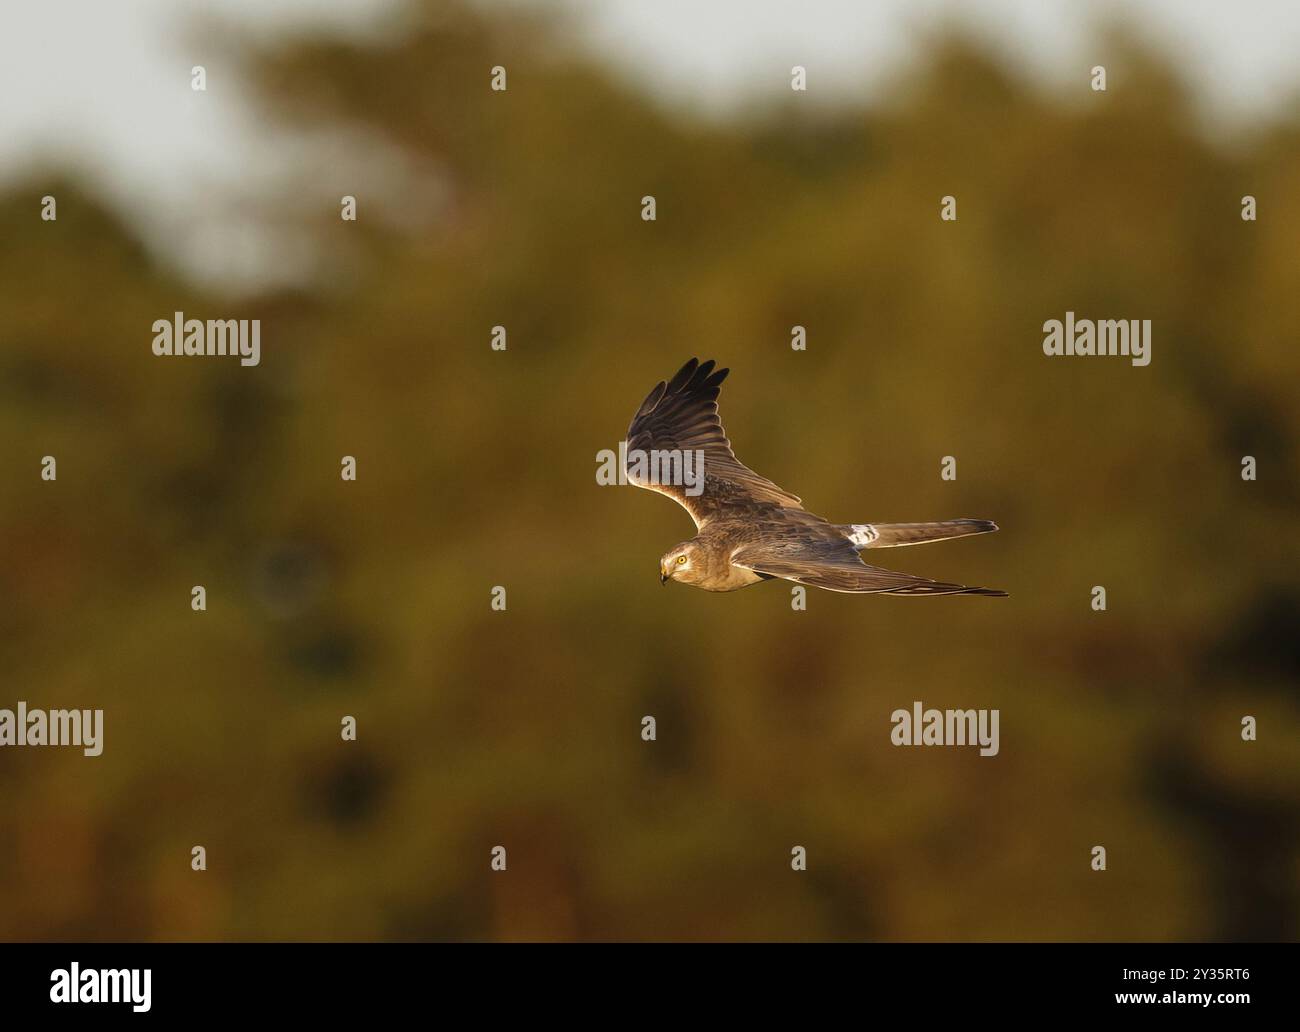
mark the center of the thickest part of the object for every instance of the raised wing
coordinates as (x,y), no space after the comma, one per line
(680,417)
(830,561)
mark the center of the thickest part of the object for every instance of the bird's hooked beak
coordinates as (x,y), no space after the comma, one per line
(663,575)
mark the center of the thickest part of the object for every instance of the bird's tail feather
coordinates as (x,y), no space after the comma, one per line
(893,535)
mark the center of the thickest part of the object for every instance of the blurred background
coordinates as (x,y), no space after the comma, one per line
(477,468)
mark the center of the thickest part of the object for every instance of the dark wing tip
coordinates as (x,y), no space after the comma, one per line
(697,376)
(683,376)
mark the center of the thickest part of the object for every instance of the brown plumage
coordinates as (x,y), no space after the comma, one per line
(749,528)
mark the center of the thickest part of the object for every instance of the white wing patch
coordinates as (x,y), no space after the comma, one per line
(862,534)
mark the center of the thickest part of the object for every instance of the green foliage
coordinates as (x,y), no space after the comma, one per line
(477,468)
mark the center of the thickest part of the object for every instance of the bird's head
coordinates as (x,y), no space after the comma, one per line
(684,562)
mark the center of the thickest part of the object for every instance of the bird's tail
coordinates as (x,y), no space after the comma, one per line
(892,535)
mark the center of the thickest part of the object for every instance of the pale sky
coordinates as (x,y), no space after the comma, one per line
(105,85)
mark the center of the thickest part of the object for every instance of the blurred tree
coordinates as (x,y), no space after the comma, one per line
(476,468)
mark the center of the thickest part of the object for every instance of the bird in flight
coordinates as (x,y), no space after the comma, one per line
(749,529)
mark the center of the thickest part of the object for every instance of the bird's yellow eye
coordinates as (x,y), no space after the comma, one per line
(681,559)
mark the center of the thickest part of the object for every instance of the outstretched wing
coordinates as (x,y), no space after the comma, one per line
(811,556)
(682,416)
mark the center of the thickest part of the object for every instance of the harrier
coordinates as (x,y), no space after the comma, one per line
(749,528)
